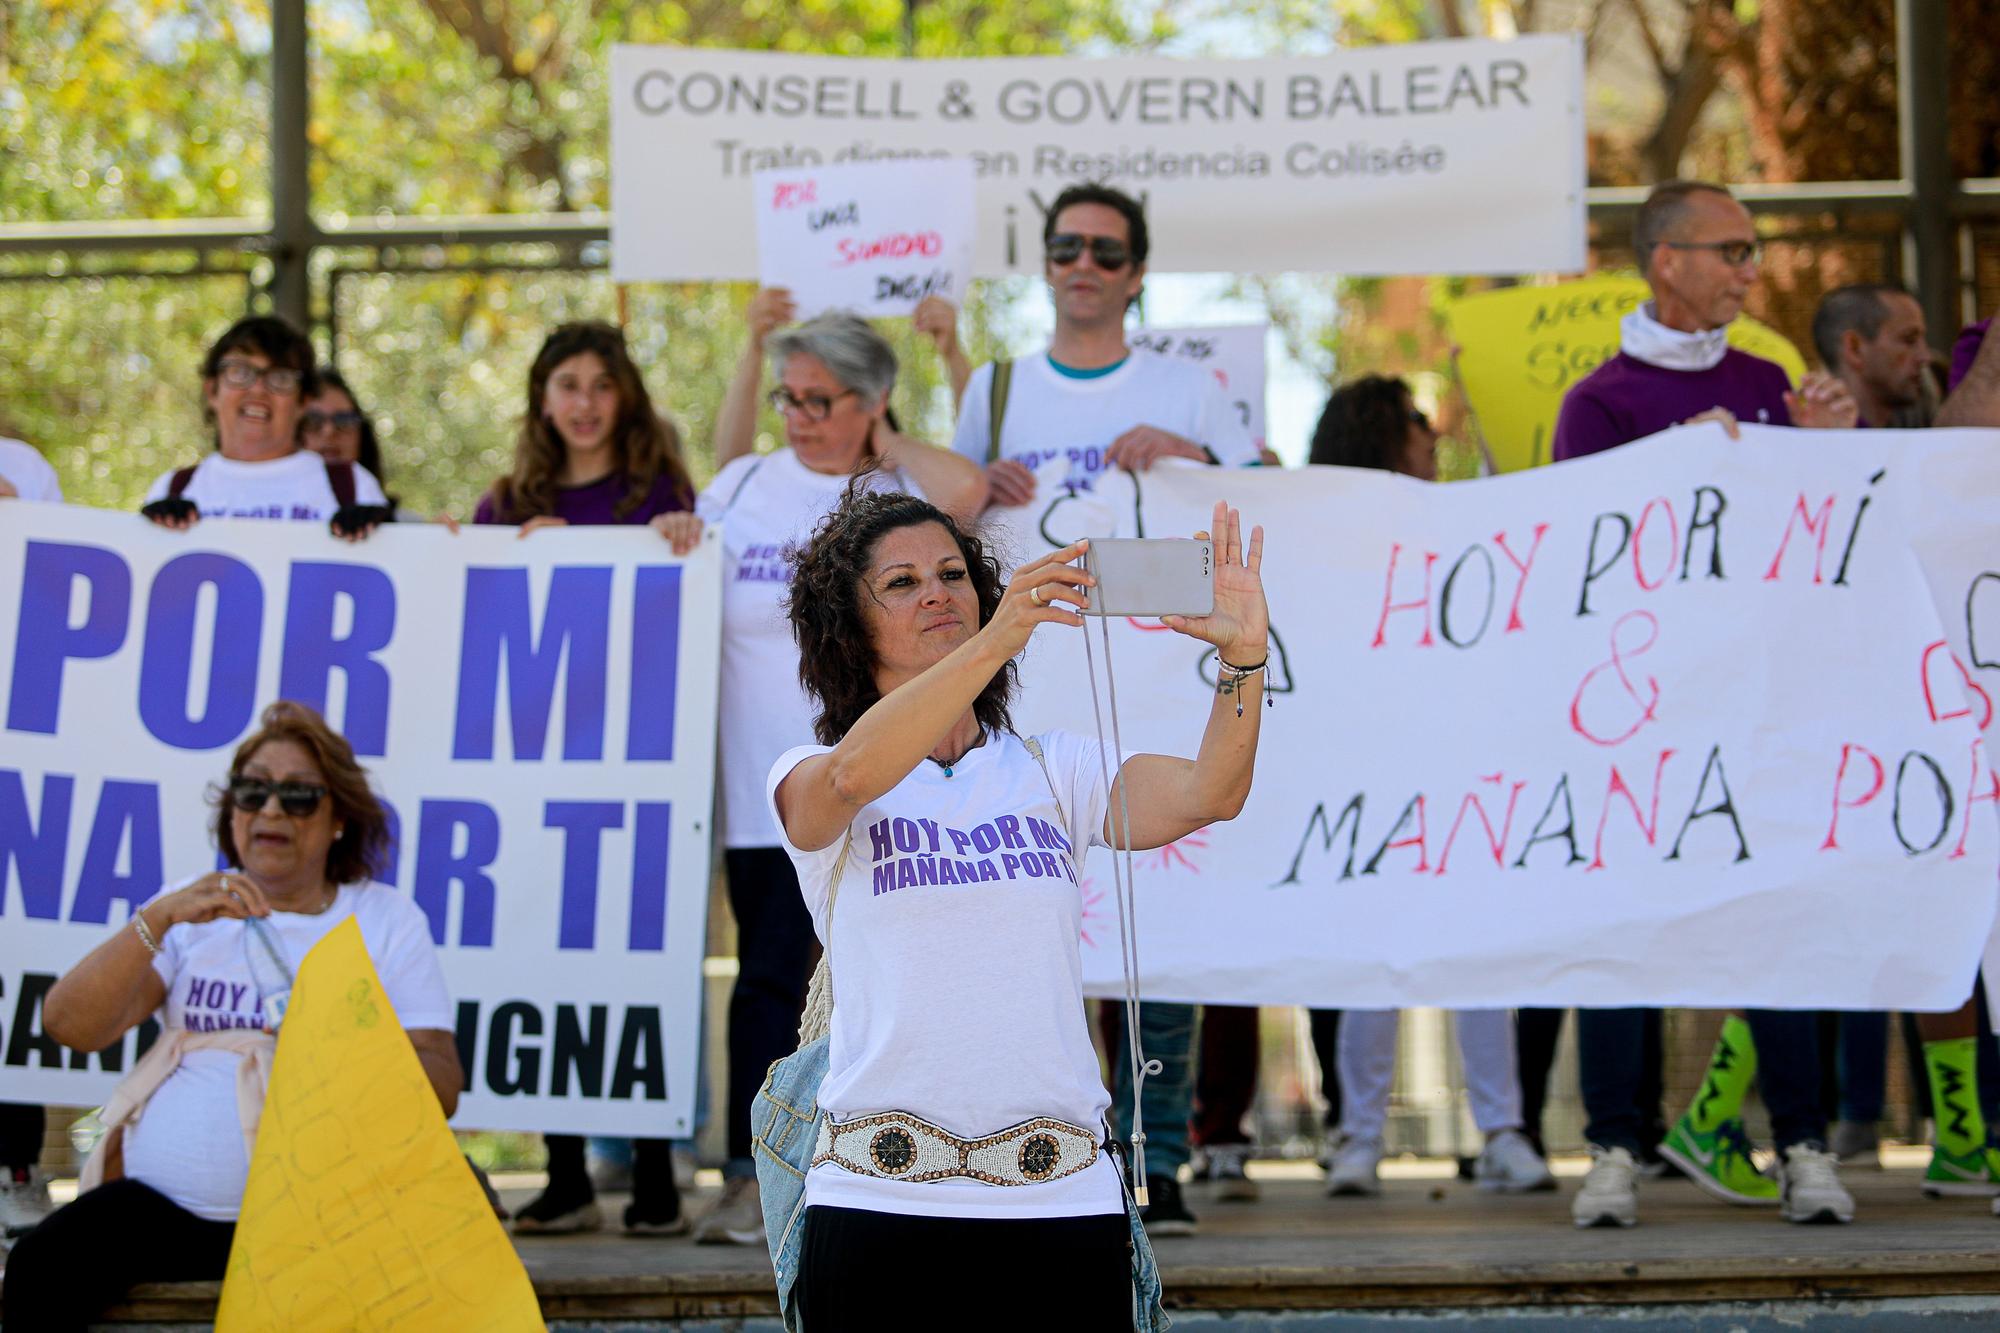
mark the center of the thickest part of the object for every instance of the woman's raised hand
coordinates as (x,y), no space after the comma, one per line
(220,893)
(1035,595)
(1240,624)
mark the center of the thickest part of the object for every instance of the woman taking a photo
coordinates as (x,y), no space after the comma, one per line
(593,450)
(212,958)
(958,1020)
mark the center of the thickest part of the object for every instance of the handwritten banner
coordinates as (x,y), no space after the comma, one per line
(521,705)
(1677,724)
(1362,161)
(873,237)
(1520,349)
(1233,353)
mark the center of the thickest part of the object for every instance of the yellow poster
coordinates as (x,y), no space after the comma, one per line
(360,1212)
(1520,349)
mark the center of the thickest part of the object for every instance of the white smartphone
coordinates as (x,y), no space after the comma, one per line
(1150,576)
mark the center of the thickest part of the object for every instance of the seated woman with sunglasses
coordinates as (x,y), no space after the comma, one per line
(255,382)
(212,960)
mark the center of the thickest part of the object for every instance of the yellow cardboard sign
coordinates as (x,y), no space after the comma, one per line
(360,1212)
(1521,348)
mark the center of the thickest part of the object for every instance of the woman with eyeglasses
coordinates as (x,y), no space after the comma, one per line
(255,383)
(334,427)
(211,959)
(593,451)
(834,374)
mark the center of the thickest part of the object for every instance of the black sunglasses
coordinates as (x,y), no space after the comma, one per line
(1734,253)
(297,799)
(315,421)
(1107,252)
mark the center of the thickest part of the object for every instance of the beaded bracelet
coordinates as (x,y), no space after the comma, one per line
(145,933)
(1228,674)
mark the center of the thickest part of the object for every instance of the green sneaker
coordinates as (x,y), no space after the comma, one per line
(1963,1175)
(1719,1162)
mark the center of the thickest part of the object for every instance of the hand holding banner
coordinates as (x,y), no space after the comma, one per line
(875,238)
(1519,350)
(1233,353)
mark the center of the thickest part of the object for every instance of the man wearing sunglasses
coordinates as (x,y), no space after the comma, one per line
(1698,251)
(1088,399)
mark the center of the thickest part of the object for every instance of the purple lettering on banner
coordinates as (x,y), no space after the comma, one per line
(656,655)
(312,654)
(878,840)
(36,852)
(441,863)
(583,824)
(166,662)
(126,829)
(574,641)
(44,638)
(652,840)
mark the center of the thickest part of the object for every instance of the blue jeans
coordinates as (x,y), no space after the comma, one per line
(1611,1052)
(1166,1034)
(1862,1052)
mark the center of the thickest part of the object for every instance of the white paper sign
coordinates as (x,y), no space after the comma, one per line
(872,237)
(539,716)
(1420,157)
(1676,724)
(1233,353)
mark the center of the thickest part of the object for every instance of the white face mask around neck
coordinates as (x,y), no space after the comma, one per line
(1644,338)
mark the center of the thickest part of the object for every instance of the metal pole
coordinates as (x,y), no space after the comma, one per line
(291,202)
(1928,252)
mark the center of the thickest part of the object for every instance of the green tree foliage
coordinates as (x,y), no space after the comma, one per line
(133,109)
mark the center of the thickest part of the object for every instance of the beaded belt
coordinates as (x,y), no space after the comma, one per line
(895,1145)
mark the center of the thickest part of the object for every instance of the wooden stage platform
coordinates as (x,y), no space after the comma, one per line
(1426,1244)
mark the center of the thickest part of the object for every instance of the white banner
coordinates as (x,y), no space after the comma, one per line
(522,706)
(1233,353)
(1422,157)
(873,237)
(1676,724)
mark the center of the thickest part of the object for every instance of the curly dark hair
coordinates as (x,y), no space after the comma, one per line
(829,578)
(1364,424)
(362,849)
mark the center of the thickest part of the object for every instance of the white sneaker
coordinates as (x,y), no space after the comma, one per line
(1223,1169)
(737,1218)
(1351,1165)
(1610,1193)
(23,1203)
(1809,1188)
(1510,1165)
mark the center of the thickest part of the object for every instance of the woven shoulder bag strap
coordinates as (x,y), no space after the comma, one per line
(817,1017)
(1035,749)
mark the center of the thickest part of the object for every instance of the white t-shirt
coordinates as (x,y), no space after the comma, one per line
(957,975)
(1052,415)
(188,1144)
(28,472)
(293,487)
(765,503)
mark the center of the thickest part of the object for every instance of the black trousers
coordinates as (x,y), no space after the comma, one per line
(774,952)
(864,1272)
(86,1255)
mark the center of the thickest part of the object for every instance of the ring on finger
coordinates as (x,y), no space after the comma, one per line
(1035,596)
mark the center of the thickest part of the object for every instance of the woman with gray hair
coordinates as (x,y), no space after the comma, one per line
(834,374)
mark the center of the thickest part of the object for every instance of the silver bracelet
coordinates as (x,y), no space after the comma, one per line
(145,933)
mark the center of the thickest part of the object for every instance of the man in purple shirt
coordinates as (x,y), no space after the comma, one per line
(1698,250)
(1872,336)
(1974,394)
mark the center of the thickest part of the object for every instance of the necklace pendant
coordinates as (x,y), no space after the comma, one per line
(947,769)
